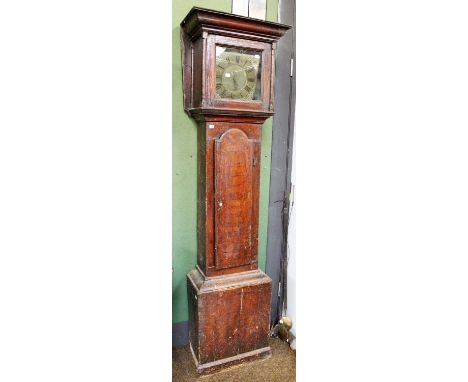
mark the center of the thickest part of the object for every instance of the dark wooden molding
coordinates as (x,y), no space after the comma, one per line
(229,115)
(205,284)
(200,20)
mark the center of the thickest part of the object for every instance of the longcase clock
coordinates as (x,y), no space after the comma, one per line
(228,78)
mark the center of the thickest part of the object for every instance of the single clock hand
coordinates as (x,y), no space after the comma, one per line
(234,79)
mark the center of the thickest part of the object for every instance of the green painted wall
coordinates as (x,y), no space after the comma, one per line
(184,166)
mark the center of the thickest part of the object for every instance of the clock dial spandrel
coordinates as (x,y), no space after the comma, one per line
(238,74)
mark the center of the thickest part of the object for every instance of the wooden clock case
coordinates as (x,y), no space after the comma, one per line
(229,297)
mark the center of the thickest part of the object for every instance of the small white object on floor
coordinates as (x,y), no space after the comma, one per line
(293,344)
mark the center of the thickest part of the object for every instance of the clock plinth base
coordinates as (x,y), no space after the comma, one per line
(229,319)
(222,364)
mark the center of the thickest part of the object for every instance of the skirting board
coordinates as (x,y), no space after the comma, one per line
(180,334)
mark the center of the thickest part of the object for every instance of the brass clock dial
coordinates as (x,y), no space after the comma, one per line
(237,74)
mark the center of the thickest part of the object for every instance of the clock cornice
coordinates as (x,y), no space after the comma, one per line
(200,20)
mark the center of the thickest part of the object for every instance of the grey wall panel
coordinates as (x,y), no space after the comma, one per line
(257,9)
(283,130)
(250,8)
(240,7)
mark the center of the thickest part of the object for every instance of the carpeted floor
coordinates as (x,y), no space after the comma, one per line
(281,367)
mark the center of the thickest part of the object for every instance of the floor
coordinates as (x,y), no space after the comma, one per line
(281,367)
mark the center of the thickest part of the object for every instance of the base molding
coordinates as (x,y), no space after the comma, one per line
(215,366)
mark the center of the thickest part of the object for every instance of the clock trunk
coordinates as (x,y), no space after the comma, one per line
(228,193)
